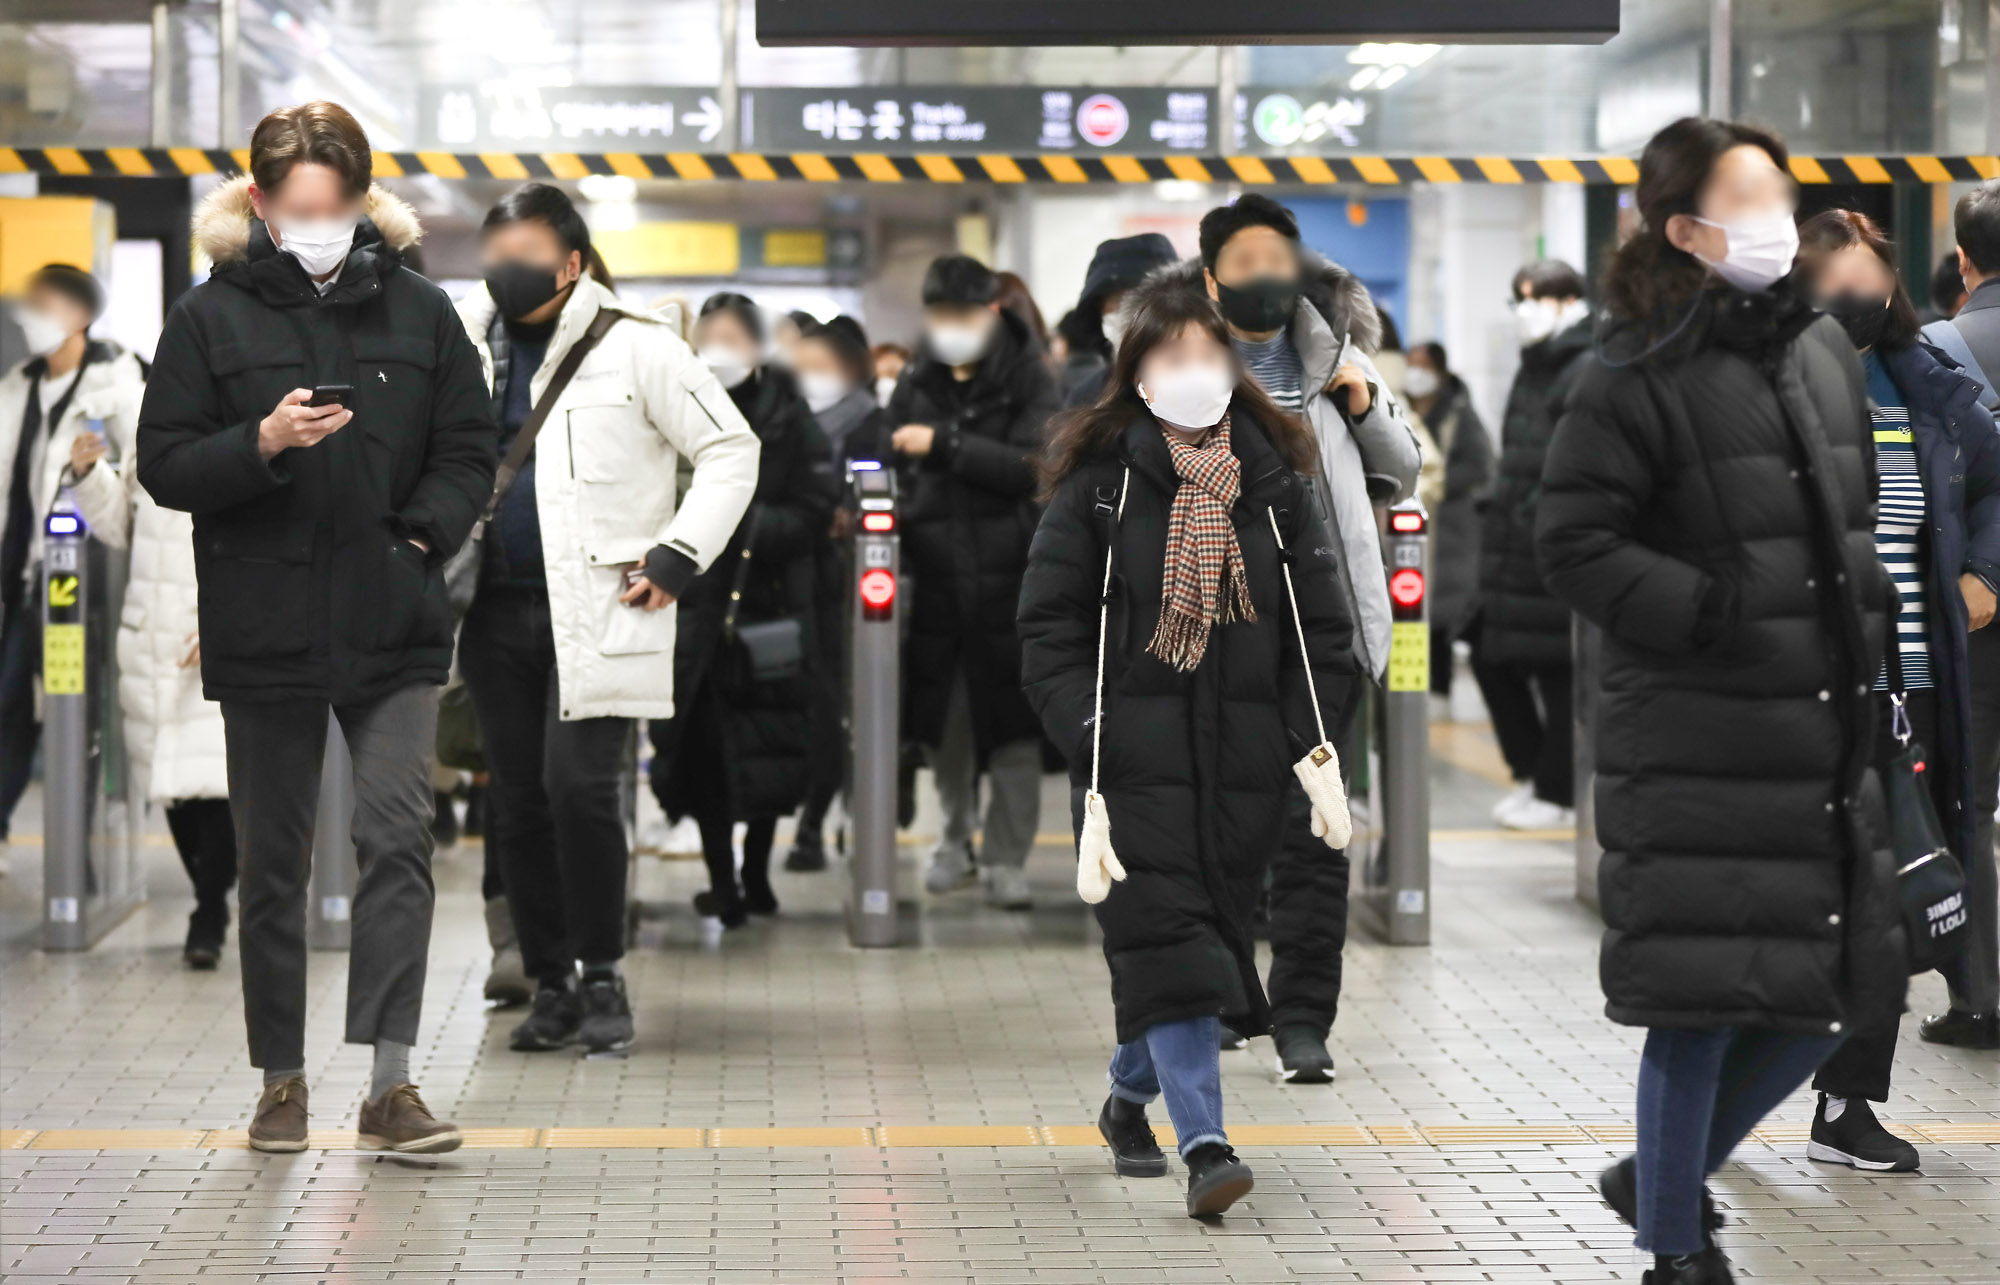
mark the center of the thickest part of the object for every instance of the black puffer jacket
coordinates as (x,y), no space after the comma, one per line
(1519,621)
(1195,766)
(1712,509)
(968,513)
(309,586)
(756,765)
(1468,471)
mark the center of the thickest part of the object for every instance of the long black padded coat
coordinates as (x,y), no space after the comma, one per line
(737,743)
(1195,766)
(1711,507)
(1518,621)
(968,512)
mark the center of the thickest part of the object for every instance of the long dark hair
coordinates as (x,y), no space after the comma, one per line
(551,207)
(1831,231)
(1160,311)
(1648,275)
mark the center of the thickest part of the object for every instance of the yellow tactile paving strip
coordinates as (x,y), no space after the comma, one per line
(1481,1136)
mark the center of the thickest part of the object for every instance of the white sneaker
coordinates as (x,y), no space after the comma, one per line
(950,868)
(1514,798)
(1007,888)
(1539,814)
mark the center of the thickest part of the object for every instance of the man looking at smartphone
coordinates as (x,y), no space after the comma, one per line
(321,533)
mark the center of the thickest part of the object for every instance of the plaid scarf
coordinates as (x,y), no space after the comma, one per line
(1204,582)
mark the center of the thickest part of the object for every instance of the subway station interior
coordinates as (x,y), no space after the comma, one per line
(872,1045)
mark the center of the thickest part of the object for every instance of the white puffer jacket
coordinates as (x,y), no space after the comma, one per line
(604,489)
(173,737)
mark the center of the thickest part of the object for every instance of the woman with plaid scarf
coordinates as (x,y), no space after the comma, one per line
(1189,679)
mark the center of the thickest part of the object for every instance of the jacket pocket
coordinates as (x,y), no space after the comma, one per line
(415,611)
(623,630)
(624,473)
(254,589)
(255,375)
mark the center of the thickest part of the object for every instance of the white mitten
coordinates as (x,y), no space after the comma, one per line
(1319,772)
(1096,864)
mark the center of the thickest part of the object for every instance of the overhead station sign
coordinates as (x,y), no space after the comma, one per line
(1181,22)
(900,118)
(498,116)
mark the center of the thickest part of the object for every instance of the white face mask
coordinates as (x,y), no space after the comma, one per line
(1422,381)
(1536,320)
(1193,396)
(822,390)
(1114,330)
(318,244)
(44,333)
(731,367)
(885,388)
(957,345)
(1760,249)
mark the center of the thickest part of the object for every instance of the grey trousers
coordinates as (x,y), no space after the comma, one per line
(1014,775)
(1975,981)
(275,751)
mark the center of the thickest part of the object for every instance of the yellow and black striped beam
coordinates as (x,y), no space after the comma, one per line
(173,162)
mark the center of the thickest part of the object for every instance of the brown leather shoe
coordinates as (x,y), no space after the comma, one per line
(280,1123)
(399,1121)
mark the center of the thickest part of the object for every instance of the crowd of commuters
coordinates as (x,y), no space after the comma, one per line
(1147,543)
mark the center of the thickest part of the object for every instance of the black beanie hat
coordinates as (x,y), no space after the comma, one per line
(68,279)
(1120,264)
(959,279)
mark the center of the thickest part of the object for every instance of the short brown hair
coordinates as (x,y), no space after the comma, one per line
(319,133)
(1831,231)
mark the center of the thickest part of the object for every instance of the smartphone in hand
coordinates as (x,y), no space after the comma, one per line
(331,395)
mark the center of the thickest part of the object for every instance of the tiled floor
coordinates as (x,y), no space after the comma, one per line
(994,1020)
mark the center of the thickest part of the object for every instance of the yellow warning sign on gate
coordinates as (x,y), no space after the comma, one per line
(1410,657)
(62,660)
(62,591)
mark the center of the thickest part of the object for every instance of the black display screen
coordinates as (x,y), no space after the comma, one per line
(1182,22)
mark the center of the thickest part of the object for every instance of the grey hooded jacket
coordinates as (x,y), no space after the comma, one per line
(1373,461)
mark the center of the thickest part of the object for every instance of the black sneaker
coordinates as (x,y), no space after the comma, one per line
(607,1016)
(550,1024)
(444,821)
(1302,1056)
(1135,1153)
(1619,1185)
(207,927)
(1216,1179)
(1965,1030)
(728,907)
(808,853)
(760,901)
(1709,1267)
(1855,1137)
(1233,1039)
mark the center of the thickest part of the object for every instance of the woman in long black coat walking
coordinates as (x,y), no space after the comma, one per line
(737,746)
(1188,473)
(1708,504)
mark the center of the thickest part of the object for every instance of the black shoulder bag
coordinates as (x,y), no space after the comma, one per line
(1929,880)
(769,651)
(461,573)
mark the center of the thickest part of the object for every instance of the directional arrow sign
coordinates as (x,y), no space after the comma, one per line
(62,591)
(708,119)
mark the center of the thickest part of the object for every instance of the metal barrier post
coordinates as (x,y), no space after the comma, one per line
(330,896)
(90,860)
(1396,883)
(875,709)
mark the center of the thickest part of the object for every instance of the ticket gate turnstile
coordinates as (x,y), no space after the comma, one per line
(1395,803)
(874,710)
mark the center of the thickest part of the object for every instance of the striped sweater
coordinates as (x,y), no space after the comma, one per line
(1899,526)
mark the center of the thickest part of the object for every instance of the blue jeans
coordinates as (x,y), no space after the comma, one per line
(1701,1091)
(1184,1060)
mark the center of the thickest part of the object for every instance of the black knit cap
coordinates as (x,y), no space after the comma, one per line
(961,280)
(72,281)
(1120,264)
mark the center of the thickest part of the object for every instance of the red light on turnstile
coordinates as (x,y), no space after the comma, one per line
(1407,587)
(1406,523)
(878,593)
(878,523)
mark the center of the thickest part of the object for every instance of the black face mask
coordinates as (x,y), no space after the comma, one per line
(1862,318)
(1259,304)
(520,288)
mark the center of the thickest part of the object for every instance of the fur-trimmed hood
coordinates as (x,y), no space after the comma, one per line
(221,224)
(1332,290)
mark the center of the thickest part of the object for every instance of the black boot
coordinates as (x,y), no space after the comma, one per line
(207,927)
(724,905)
(1709,1267)
(1135,1153)
(1216,1179)
(444,820)
(808,852)
(1958,1027)
(1619,1185)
